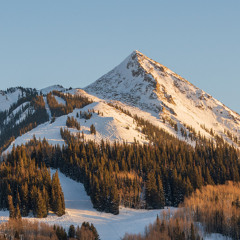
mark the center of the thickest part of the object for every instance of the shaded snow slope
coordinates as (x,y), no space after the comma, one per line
(60,100)
(16,111)
(7,99)
(143,83)
(51,88)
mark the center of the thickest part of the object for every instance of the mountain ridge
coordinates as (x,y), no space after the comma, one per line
(138,85)
(142,82)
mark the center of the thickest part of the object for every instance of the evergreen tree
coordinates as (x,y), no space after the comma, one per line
(154,194)
(57,201)
(41,209)
(94,231)
(192,236)
(92,129)
(114,200)
(18,213)
(71,231)
(12,211)
(24,194)
(61,233)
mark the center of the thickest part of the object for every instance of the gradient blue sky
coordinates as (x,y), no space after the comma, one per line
(74,42)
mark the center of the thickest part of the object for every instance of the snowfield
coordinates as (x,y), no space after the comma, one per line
(111,125)
(8,99)
(60,100)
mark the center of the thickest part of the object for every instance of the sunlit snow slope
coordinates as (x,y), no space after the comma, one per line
(111,125)
(143,83)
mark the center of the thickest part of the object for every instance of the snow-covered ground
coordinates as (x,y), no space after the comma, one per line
(8,99)
(79,209)
(51,88)
(47,108)
(60,100)
(50,131)
(111,124)
(22,116)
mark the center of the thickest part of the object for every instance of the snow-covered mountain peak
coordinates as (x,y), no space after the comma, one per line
(146,84)
(137,80)
(142,87)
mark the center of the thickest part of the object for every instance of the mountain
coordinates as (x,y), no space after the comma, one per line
(137,137)
(151,87)
(139,86)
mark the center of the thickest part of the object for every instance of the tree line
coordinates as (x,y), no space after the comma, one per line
(26,186)
(165,171)
(24,229)
(34,117)
(72,102)
(174,228)
(72,123)
(216,207)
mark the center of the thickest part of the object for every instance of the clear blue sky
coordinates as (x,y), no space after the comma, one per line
(74,42)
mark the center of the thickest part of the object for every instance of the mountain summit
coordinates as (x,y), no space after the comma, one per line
(139,86)
(143,82)
(148,85)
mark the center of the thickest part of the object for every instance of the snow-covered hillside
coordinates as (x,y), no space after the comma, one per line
(144,88)
(52,88)
(110,124)
(7,98)
(79,209)
(22,115)
(143,83)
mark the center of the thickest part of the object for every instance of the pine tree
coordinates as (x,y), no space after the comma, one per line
(92,129)
(61,234)
(24,193)
(12,211)
(161,197)
(154,194)
(18,213)
(57,200)
(41,209)
(71,231)
(113,200)
(192,236)
(33,199)
(95,233)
